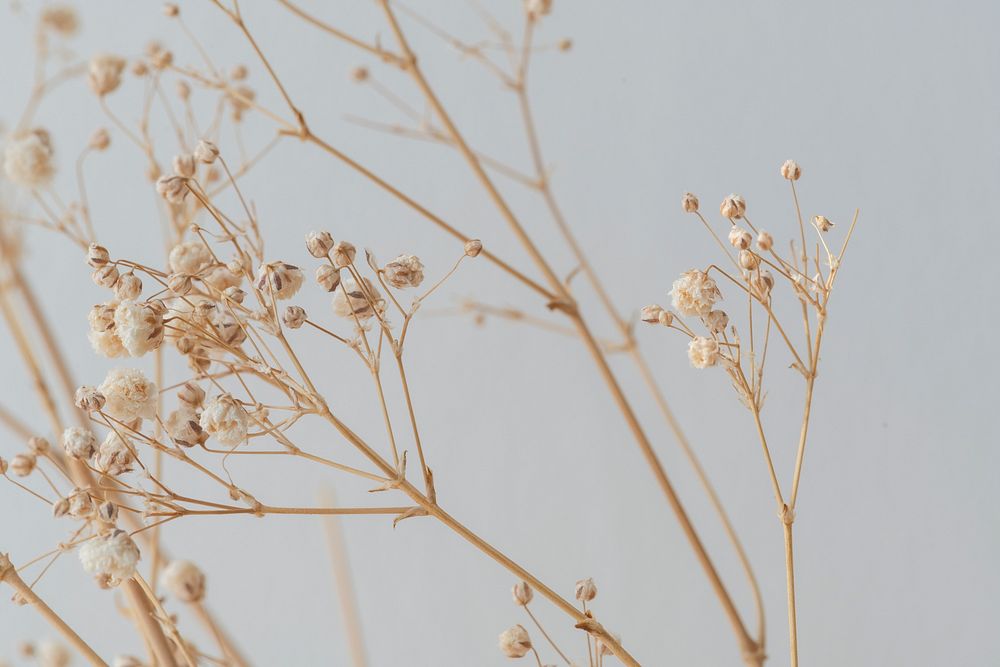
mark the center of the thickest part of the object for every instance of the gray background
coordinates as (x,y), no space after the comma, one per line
(890,107)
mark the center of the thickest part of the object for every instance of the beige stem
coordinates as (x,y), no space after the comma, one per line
(793,637)
(149,625)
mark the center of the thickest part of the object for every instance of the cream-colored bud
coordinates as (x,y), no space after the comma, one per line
(171,10)
(740,238)
(790,170)
(651,314)
(238,72)
(107,512)
(703,352)
(749,260)
(89,399)
(172,188)
(180,283)
(689,202)
(184,165)
(60,508)
(185,581)
(717,321)
(514,642)
(359,74)
(99,140)
(733,207)
(294,317)
(38,445)
(342,254)
(522,593)
(79,443)
(183,89)
(765,241)
(473,247)
(822,223)
(234,294)
(404,271)
(327,277)
(97,255)
(106,276)
(191,395)
(206,151)
(537,8)
(586,590)
(128,287)
(319,244)
(105,73)
(22,465)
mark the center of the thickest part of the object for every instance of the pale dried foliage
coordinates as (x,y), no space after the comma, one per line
(220,309)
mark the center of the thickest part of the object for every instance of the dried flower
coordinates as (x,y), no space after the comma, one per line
(114,456)
(651,314)
(241,99)
(221,277)
(225,418)
(717,321)
(184,580)
(79,443)
(171,10)
(294,317)
(183,427)
(184,165)
(522,593)
(586,590)
(515,642)
(822,223)
(473,247)
(99,140)
(105,73)
(172,188)
(234,294)
(97,255)
(790,170)
(238,72)
(28,159)
(179,283)
(88,399)
(106,276)
(689,203)
(38,446)
(107,512)
(283,280)
(319,244)
(129,394)
(359,74)
(114,555)
(327,277)
(703,352)
(537,8)
(206,152)
(761,284)
(740,238)
(404,271)
(61,19)
(191,395)
(765,241)
(22,465)
(139,327)
(342,254)
(694,293)
(189,257)
(354,300)
(749,260)
(183,90)
(52,654)
(81,505)
(128,286)
(733,207)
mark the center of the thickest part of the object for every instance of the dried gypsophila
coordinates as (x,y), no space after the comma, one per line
(733,207)
(225,418)
(522,593)
(283,280)
(184,580)
(105,73)
(114,456)
(114,556)
(586,590)
(404,271)
(357,300)
(515,642)
(319,244)
(189,257)
(791,170)
(689,203)
(694,293)
(703,352)
(79,443)
(28,159)
(183,427)
(130,395)
(139,327)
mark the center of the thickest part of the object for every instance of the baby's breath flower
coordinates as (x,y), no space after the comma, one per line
(52,654)
(114,555)
(184,165)
(22,465)
(79,442)
(586,590)
(733,207)
(179,283)
(61,19)
(107,344)
(240,99)
(129,394)
(183,90)
(822,223)
(189,257)
(183,427)
(749,260)
(694,293)
(651,314)
(221,277)
(106,276)
(765,241)
(139,327)
(97,255)
(224,418)
(81,505)
(352,299)
(234,294)
(790,170)
(689,203)
(283,280)
(514,642)
(359,74)
(238,72)
(327,277)
(404,271)
(740,238)
(100,139)
(703,352)
(537,8)
(761,284)
(28,159)
(38,446)
(319,244)
(114,456)
(342,254)
(294,317)
(191,395)
(473,247)
(717,321)
(184,580)
(171,10)
(172,188)
(206,152)
(128,287)
(105,73)
(88,399)
(522,593)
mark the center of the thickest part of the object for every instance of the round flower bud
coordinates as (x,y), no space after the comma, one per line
(515,642)
(283,280)
(97,255)
(651,314)
(537,8)
(129,395)
(790,170)
(189,257)
(357,300)
(128,287)
(749,260)
(81,505)
(172,188)
(79,443)
(703,352)
(183,89)
(342,254)
(106,276)
(740,238)
(184,165)
(183,427)
(694,293)
(765,241)
(586,590)
(185,581)
(689,203)
(60,508)
(114,456)
(294,317)
(22,465)
(224,418)
(114,555)
(179,283)
(105,73)
(761,284)
(319,244)
(717,321)
(473,247)
(171,10)
(60,19)
(191,395)
(404,271)
(522,593)
(327,277)
(206,152)
(234,294)
(28,159)
(38,446)
(107,512)
(89,399)
(822,223)
(359,74)
(238,72)
(733,207)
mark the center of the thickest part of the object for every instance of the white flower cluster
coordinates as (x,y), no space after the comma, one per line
(130,395)
(224,418)
(28,159)
(694,293)
(112,557)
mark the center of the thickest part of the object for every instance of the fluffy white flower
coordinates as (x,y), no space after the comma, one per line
(703,352)
(282,279)
(221,277)
(79,442)
(114,556)
(189,257)
(404,271)
(352,299)
(130,395)
(107,344)
(105,73)
(183,427)
(224,418)
(28,159)
(694,293)
(515,642)
(139,327)
(114,456)
(184,580)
